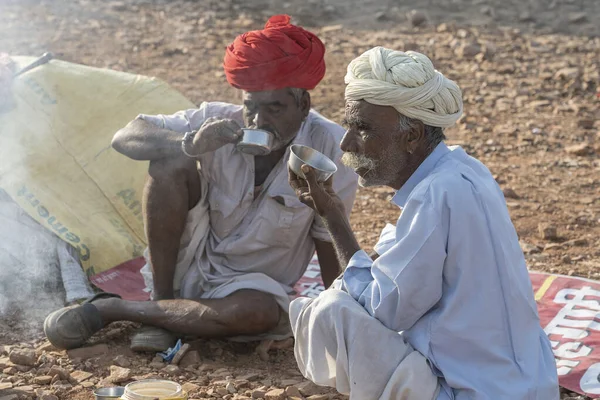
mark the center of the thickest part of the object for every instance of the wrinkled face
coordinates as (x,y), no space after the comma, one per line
(373,145)
(276,111)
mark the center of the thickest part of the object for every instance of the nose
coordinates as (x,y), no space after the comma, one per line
(259,120)
(349,143)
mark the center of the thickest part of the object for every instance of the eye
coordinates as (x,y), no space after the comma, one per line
(275,109)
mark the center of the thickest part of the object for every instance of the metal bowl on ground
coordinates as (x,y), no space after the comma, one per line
(300,155)
(256,142)
(108,393)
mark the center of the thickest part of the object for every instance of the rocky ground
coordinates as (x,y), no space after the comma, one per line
(530,73)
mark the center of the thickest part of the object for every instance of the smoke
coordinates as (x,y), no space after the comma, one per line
(30,274)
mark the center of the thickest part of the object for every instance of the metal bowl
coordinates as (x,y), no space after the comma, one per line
(108,393)
(300,155)
(256,142)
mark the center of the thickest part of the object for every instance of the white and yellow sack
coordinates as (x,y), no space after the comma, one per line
(57,163)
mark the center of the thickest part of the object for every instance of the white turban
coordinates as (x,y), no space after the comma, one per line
(406,81)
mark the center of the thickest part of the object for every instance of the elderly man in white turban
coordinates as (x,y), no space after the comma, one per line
(444,309)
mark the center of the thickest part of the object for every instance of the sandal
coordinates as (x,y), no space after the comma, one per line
(70,327)
(152,339)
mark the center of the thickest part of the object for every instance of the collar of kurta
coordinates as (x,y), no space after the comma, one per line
(421,173)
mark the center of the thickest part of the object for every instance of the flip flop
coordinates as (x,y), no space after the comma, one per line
(70,327)
(152,339)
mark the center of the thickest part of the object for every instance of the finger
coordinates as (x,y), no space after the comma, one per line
(295,181)
(311,178)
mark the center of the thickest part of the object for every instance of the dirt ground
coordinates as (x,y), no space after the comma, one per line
(529,71)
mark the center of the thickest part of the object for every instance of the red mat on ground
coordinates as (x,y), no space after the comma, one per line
(569,311)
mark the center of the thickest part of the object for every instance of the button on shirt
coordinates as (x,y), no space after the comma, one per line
(451,277)
(265,231)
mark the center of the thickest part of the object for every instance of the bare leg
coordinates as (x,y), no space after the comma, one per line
(172,189)
(245,312)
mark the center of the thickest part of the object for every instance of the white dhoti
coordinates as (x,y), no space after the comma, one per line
(338,344)
(194,280)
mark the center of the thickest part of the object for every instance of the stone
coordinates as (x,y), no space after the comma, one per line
(180,353)
(275,394)
(118,374)
(258,394)
(292,391)
(529,248)
(526,16)
(9,370)
(381,16)
(5,385)
(417,18)
(23,357)
(191,358)
(46,346)
(222,391)
(308,388)
(171,370)
(578,17)
(580,149)
(81,376)
(510,193)
(47,396)
(10,397)
(468,50)
(576,242)
(318,397)
(586,123)
(230,387)
(88,352)
(42,380)
(567,73)
(190,387)
(443,27)
(61,373)
(122,361)
(290,382)
(547,231)
(252,376)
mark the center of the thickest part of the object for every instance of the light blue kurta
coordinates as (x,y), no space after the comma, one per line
(452,278)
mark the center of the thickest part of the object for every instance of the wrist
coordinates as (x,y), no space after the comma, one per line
(187,145)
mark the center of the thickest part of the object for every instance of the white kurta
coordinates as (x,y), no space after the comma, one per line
(234,239)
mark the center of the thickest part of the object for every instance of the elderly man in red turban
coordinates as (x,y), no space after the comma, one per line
(227,237)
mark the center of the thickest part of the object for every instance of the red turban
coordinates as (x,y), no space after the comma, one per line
(281,55)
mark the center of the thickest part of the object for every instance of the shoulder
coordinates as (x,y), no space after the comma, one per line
(221,110)
(452,185)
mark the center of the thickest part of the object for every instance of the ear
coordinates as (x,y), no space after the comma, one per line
(415,137)
(305,103)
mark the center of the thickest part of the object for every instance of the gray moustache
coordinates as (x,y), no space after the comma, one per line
(357,161)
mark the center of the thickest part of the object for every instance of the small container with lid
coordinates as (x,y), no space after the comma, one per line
(154,389)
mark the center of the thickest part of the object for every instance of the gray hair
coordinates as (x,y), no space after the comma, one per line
(297,94)
(433,134)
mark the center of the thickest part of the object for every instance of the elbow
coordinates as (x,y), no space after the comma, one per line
(119,142)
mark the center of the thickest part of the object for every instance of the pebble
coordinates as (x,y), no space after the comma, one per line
(417,18)
(42,380)
(122,361)
(510,193)
(180,353)
(171,370)
(580,149)
(258,394)
(118,374)
(275,394)
(81,376)
(191,358)
(308,388)
(292,391)
(23,357)
(547,231)
(230,387)
(88,352)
